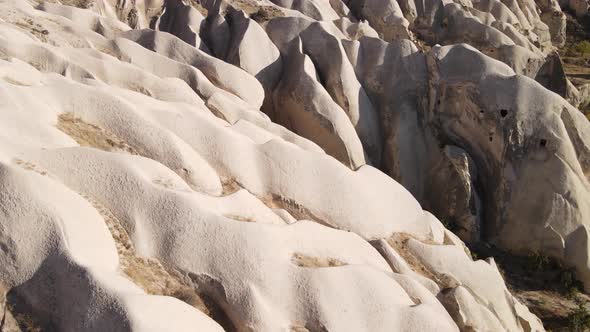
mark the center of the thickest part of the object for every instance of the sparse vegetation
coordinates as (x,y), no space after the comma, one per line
(84,4)
(295,209)
(145,272)
(544,284)
(87,134)
(265,13)
(310,261)
(27,323)
(399,242)
(538,261)
(229,185)
(570,284)
(582,48)
(22,315)
(579,320)
(565,276)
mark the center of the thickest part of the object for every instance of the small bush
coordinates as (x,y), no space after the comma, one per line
(538,261)
(450,225)
(582,47)
(567,280)
(266,13)
(579,320)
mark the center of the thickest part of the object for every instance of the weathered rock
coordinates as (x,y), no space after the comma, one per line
(307,108)
(220,73)
(252,50)
(182,21)
(264,219)
(136,14)
(552,76)
(385,16)
(555,19)
(460,209)
(394,76)
(356,30)
(339,79)
(518,127)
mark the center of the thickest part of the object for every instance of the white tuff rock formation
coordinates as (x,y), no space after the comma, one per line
(257,165)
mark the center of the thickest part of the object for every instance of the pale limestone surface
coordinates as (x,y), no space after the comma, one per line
(254,153)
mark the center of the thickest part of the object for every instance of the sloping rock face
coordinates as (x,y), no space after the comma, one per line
(264,165)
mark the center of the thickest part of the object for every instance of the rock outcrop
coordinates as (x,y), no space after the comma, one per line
(267,165)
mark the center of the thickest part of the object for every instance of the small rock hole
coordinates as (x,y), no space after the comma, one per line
(503,113)
(543,142)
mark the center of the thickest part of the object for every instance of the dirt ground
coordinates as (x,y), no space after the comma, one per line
(545,286)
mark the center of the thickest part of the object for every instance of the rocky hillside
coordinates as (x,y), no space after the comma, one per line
(284,165)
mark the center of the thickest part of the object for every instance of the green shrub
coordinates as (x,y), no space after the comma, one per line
(582,47)
(538,261)
(571,285)
(579,320)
